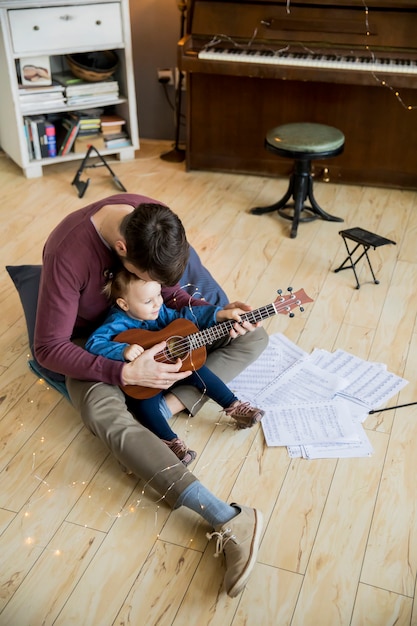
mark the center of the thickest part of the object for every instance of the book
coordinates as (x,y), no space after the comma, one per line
(43,139)
(111,124)
(118,143)
(35,139)
(110,137)
(55,87)
(34,107)
(28,134)
(95,99)
(89,120)
(88,130)
(71,126)
(51,139)
(77,87)
(81,144)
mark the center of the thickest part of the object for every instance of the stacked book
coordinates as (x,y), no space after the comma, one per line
(48,97)
(89,132)
(112,128)
(80,92)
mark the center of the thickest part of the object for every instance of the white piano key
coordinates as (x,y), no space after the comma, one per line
(319,61)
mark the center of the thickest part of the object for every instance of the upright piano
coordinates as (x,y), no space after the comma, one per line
(257,64)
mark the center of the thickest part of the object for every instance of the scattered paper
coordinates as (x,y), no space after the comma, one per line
(313,422)
(315,404)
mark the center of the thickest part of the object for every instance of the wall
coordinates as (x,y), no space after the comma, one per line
(155,33)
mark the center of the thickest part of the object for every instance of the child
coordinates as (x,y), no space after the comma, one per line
(138,304)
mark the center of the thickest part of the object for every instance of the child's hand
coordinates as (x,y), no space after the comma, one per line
(233,311)
(132,352)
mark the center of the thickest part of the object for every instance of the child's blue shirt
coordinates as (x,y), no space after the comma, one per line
(101,341)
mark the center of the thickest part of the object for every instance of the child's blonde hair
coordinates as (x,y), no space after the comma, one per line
(118,285)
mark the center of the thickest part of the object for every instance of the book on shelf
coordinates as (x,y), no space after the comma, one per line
(94,99)
(68,137)
(48,97)
(51,139)
(110,137)
(83,142)
(43,139)
(24,90)
(36,137)
(77,86)
(111,124)
(35,107)
(88,123)
(28,135)
(117,143)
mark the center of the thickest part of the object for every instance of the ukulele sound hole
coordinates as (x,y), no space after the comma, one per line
(177,348)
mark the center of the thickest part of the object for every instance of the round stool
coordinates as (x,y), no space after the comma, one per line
(302,142)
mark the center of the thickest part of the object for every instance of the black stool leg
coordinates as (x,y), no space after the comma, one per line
(352,263)
(300,188)
(278,205)
(300,194)
(316,208)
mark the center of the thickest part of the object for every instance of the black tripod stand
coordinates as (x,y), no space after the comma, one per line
(82,185)
(177,154)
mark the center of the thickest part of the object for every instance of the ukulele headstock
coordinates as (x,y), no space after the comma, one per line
(286,303)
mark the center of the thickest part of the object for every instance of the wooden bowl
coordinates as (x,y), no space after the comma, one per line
(93,66)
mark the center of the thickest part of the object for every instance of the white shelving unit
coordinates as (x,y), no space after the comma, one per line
(54,28)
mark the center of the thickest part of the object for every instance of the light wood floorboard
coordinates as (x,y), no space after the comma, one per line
(83,544)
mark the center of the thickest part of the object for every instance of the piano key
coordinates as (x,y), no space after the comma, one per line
(303,59)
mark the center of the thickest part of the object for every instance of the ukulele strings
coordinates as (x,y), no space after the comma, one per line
(185,345)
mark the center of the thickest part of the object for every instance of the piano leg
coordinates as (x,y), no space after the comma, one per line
(300,189)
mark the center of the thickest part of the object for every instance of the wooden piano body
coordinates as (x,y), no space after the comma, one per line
(232,103)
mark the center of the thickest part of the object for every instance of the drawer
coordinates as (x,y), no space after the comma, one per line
(52,29)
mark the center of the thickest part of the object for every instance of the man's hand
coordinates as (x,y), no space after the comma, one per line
(233,311)
(147,371)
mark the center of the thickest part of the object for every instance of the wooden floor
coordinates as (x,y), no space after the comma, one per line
(82,544)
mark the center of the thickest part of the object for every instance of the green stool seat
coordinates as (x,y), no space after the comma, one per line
(302,142)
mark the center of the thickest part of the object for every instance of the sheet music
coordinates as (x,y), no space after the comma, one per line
(302,382)
(277,357)
(345,450)
(312,422)
(315,404)
(369,383)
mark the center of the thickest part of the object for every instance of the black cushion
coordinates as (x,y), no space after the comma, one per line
(26,280)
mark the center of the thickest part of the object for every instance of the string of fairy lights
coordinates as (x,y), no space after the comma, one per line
(95,497)
(383,82)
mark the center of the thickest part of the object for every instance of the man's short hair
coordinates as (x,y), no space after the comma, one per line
(156,242)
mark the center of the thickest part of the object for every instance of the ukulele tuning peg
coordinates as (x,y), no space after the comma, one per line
(289,289)
(291,315)
(302,309)
(279,291)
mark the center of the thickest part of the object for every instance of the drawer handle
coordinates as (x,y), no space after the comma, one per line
(36,28)
(66,18)
(98,22)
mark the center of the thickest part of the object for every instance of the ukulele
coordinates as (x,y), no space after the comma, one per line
(184,341)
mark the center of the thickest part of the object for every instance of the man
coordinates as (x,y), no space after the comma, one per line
(79,256)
